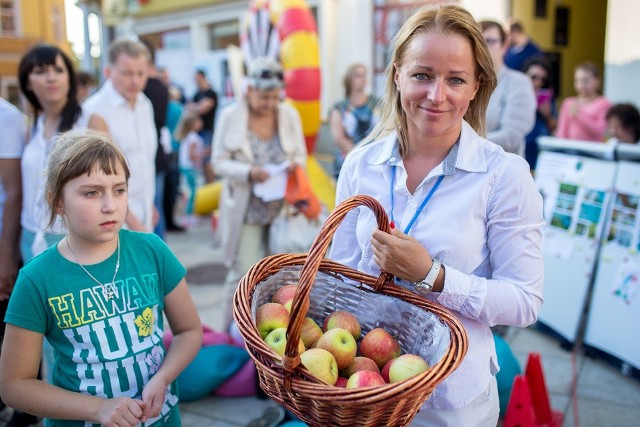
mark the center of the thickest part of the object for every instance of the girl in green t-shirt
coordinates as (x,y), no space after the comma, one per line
(98,297)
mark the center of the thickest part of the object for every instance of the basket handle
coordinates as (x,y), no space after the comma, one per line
(300,304)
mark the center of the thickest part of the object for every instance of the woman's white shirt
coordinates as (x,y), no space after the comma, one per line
(35,212)
(483,223)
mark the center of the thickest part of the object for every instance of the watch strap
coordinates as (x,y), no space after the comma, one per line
(425,286)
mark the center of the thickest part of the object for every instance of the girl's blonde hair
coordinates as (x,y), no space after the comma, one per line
(445,19)
(76,153)
(186,124)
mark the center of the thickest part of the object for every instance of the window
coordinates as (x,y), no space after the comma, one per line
(223,34)
(7,17)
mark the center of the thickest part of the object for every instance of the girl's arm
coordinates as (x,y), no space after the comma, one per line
(187,339)
(21,389)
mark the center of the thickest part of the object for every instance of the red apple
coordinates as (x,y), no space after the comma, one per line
(341,344)
(365,379)
(344,320)
(271,316)
(310,332)
(321,364)
(284,294)
(360,363)
(342,382)
(404,367)
(379,346)
(277,340)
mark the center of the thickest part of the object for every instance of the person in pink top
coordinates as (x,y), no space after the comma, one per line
(583,116)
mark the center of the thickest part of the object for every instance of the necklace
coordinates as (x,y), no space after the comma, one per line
(422,205)
(108,289)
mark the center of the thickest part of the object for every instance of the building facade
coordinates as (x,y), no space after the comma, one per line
(24,23)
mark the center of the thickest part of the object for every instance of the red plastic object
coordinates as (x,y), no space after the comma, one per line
(540,397)
(520,411)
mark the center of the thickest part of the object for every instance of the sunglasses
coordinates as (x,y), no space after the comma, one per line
(268,74)
(538,77)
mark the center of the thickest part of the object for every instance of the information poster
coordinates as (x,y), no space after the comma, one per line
(615,306)
(577,193)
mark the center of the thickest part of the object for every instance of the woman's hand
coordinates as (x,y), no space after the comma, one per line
(401,255)
(258,174)
(120,411)
(153,396)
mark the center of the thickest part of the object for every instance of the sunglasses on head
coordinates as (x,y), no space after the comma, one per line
(268,74)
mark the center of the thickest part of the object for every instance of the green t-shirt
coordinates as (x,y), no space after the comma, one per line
(103,347)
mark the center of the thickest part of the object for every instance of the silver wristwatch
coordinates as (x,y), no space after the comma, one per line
(425,286)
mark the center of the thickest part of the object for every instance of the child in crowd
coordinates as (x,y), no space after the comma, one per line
(98,297)
(191,152)
(623,123)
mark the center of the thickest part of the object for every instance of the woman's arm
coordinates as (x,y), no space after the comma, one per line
(21,389)
(223,159)
(340,138)
(11,181)
(187,338)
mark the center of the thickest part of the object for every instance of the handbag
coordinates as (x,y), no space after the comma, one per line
(299,193)
(293,232)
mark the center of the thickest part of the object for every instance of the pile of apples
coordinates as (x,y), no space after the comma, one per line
(331,352)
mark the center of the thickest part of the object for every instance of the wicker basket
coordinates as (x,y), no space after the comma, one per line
(376,301)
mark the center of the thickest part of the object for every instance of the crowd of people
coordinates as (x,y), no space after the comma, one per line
(90,183)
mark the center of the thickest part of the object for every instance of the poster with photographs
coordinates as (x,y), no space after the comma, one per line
(579,210)
(623,225)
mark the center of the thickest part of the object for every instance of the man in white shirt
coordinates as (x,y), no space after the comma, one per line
(121,109)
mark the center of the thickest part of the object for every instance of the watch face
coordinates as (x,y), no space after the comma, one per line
(422,289)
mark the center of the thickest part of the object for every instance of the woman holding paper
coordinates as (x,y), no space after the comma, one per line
(253,140)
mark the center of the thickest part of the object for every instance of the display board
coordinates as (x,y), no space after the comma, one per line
(615,305)
(576,191)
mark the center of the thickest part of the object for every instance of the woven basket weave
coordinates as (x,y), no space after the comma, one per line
(376,301)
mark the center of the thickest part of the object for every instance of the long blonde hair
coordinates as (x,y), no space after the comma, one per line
(186,124)
(446,19)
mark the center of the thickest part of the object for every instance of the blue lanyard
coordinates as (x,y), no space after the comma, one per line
(422,205)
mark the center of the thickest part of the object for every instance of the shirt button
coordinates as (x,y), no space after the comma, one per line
(393,159)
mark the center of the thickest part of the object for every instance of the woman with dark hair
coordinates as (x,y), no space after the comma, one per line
(539,71)
(623,123)
(48,81)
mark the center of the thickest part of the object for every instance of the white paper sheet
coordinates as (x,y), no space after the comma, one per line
(275,186)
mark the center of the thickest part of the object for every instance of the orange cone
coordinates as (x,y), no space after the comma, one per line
(520,411)
(544,416)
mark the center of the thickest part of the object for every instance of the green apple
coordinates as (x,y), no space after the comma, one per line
(310,332)
(365,379)
(277,341)
(341,344)
(359,363)
(321,364)
(404,367)
(344,320)
(379,346)
(271,316)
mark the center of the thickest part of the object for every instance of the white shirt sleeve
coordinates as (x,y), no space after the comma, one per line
(515,242)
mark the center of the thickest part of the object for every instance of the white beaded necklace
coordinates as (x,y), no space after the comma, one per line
(108,289)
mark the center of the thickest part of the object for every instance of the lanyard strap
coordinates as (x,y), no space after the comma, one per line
(422,205)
